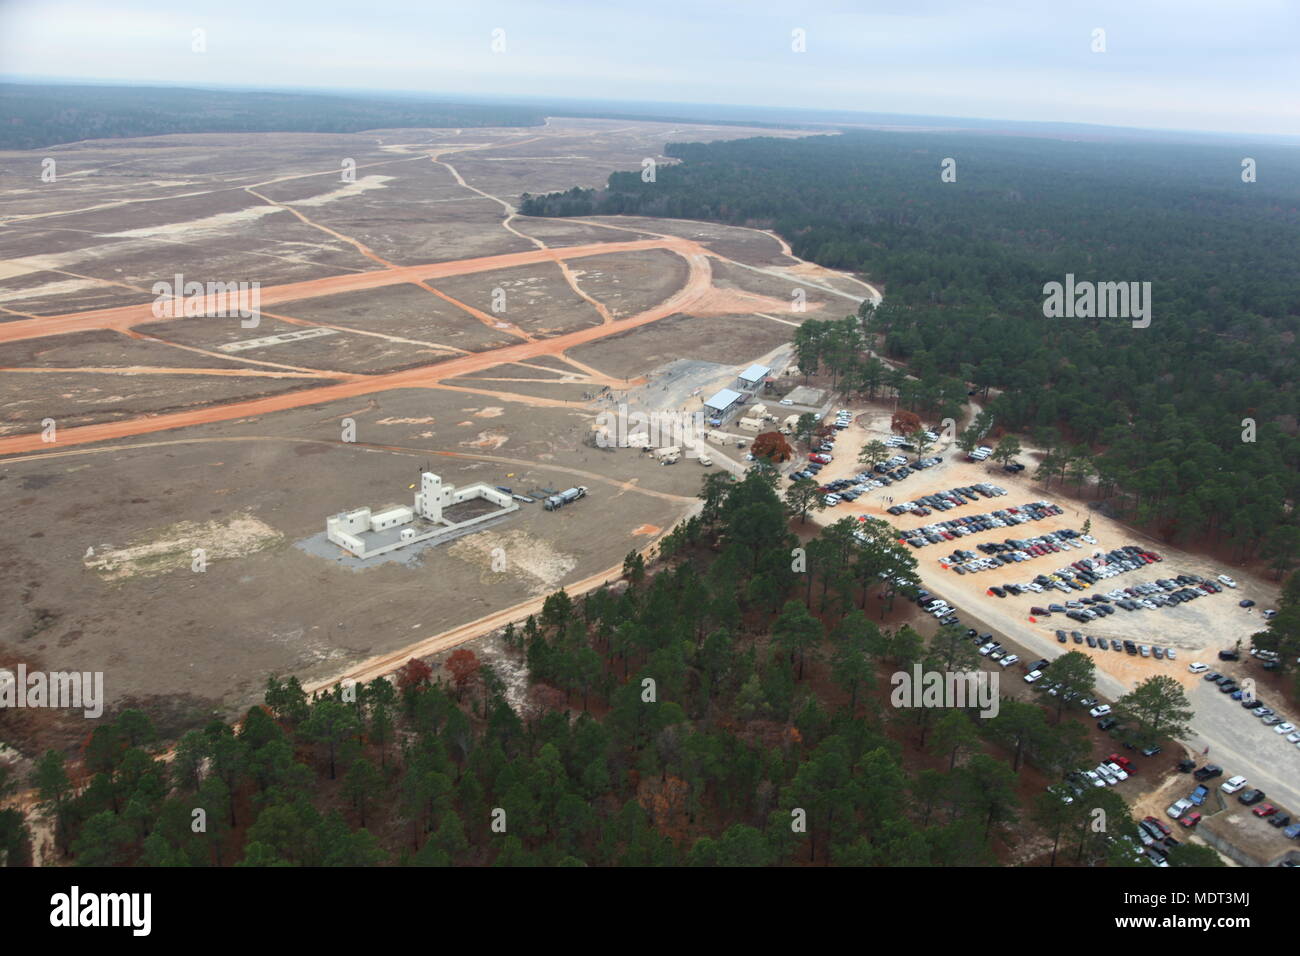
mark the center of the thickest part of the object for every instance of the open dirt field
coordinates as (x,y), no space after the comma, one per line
(184,435)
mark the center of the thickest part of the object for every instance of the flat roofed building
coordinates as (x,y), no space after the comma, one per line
(754,376)
(723,400)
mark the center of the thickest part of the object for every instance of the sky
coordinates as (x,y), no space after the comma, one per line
(1212,65)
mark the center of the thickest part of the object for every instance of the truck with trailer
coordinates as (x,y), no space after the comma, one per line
(669,455)
(568,496)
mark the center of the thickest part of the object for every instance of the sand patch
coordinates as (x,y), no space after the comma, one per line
(519,554)
(173,547)
(221,222)
(492,411)
(489,440)
(365,184)
(66,287)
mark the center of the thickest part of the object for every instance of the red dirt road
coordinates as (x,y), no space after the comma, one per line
(125,317)
(698,286)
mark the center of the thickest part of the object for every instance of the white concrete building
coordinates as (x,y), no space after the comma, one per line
(365,534)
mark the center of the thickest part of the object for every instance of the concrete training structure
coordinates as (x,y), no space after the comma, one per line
(366,534)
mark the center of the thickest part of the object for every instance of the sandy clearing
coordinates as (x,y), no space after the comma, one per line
(221,222)
(364,184)
(66,287)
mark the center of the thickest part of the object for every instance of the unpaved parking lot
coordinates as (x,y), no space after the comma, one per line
(1197,629)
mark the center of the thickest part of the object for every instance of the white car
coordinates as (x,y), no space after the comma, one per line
(1101,710)
(1116,769)
(1227,580)
(1198,668)
(1179,807)
(786,401)
(1284,728)
(1030,677)
(1105,773)
(1293,738)
(1008,660)
(984,651)
(1171,653)
(1094,778)
(1233,784)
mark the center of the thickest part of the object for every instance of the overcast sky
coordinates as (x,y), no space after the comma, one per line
(1228,65)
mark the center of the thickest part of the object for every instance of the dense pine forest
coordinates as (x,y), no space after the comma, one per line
(1187,427)
(731,704)
(39,116)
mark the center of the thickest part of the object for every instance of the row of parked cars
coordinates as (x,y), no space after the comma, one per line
(1248,701)
(947,500)
(1010,551)
(1120,646)
(1157,839)
(1112,771)
(851,489)
(1166,592)
(1183,810)
(968,525)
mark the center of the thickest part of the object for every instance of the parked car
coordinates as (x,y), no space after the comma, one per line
(1233,784)
(1250,797)
(1179,807)
(1208,772)
(1101,710)
(1160,826)
(1190,819)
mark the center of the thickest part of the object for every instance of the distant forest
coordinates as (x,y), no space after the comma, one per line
(1155,415)
(39,116)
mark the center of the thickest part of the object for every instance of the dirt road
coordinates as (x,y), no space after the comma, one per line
(697,287)
(125,317)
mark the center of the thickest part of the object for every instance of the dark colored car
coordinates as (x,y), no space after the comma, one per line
(1250,797)
(1208,772)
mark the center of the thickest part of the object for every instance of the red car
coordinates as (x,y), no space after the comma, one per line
(821,459)
(1123,762)
(1160,824)
(1264,810)
(1190,820)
